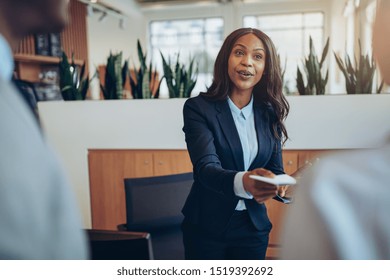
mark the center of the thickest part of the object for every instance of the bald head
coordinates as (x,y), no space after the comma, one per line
(19,18)
(45,15)
(381,39)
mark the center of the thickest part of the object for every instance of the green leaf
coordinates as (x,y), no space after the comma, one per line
(324,52)
(125,72)
(312,67)
(300,83)
(141,56)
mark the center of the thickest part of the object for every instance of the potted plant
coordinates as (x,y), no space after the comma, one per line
(115,77)
(315,82)
(283,68)
(180,80)
(358,79)
(73,84)
(144,81)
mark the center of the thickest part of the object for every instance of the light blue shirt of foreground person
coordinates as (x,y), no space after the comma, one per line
(39,218)
(245,123)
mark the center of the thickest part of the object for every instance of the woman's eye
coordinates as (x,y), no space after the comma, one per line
(258,56)
(238,52)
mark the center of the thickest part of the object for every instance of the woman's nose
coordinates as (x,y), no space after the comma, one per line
(246,61)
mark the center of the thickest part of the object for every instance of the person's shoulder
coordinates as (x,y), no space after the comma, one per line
(265,107)
(200,99)
(200,103)
(353,168)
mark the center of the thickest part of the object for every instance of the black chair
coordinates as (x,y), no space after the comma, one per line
(154,205)
(116,245)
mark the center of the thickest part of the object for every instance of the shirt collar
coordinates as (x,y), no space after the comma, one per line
(245,112)
(6,58)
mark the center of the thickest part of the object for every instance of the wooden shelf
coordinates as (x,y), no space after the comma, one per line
(29,66)
(41,59)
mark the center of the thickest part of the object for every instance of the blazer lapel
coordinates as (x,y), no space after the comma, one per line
(263,137)
(229,129)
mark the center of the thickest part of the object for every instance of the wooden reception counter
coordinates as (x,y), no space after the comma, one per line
(102,142)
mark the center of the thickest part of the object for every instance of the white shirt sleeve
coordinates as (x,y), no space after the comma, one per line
(239,186)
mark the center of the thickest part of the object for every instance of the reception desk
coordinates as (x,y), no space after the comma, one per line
(137,138)
(108,168)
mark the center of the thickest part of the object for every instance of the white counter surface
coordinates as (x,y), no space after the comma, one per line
(315,122)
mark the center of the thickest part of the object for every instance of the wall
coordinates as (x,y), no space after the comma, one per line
(105,36)
(338,37)
(232,13)
(315,122)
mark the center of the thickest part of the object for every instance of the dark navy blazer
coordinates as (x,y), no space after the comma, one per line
(216,154)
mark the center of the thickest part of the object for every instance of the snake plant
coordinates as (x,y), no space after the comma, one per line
(73,84)
(315,82)
(283,68)
(143,83)
(358,79)
(115,78)
(180,80)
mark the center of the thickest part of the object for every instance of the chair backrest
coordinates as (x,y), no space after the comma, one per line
(116,245)
(156,202)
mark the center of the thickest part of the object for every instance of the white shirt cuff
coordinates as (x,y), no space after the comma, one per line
(239,186)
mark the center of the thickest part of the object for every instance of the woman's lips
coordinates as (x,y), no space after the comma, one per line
(245,74)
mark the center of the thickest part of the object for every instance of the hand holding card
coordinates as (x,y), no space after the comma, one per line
(278,180)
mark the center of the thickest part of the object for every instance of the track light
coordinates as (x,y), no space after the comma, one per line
(122,23)
(89,10)
(102,17)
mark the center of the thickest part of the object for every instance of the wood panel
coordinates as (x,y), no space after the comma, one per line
(310,156)
(273,252)
(292,161)
(27,46)
(29,66)
(74,37)
(107,170)
(276,210)
(171,162)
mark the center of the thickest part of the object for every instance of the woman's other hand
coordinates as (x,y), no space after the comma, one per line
(282,190)
(261,191)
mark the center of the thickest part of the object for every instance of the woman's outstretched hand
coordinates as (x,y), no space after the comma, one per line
(261,191)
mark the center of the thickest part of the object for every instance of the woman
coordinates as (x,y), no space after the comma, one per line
(233,130)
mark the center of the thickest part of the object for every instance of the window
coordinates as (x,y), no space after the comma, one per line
(199,38)
(290,34)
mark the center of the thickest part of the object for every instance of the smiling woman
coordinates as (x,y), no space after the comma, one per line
(234,130)
(267,90)
(246,68)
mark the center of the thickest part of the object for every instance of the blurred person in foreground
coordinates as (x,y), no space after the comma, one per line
(38,213)
(343,204)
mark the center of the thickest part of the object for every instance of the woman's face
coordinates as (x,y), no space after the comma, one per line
(246,63)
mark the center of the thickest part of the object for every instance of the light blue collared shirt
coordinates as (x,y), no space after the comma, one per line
(245,123)
(6,58)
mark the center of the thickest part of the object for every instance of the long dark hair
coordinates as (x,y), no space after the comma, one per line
(268,91)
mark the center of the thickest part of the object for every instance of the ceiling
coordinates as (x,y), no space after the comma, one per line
(151,2)
(162,1)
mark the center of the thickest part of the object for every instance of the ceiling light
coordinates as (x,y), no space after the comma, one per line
(102,17)
(122,23)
